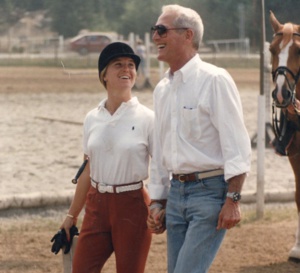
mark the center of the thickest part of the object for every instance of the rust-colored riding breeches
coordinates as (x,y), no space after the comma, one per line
(114,222)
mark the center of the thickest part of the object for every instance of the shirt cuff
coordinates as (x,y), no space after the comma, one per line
(157,192)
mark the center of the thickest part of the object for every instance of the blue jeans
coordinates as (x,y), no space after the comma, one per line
(191,217)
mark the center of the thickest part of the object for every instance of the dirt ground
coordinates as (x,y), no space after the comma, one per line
(255,246)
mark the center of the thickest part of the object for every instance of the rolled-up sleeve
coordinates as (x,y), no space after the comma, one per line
(227,117)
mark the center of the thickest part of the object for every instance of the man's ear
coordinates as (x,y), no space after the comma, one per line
(189,34)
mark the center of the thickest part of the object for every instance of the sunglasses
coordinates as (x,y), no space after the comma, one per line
(162,30)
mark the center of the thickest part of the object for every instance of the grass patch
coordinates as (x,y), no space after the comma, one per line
(271,214)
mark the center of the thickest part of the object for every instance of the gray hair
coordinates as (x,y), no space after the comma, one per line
(187,18)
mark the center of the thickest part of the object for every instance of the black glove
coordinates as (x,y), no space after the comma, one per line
(73,232)
(60,240)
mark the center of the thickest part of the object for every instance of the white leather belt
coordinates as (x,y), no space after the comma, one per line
(102,188)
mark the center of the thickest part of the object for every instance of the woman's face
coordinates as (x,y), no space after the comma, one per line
(120,73)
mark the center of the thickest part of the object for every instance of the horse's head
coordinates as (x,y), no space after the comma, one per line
(285,50)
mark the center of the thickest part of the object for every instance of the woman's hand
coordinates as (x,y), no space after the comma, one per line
(69,221)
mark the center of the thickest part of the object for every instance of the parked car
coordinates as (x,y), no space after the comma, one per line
(92,42)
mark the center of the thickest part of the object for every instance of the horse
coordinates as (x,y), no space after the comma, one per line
(285,62)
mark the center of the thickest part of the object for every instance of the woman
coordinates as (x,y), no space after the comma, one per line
(117,142)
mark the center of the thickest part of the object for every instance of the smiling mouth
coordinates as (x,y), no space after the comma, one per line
(124,77)
(161,46)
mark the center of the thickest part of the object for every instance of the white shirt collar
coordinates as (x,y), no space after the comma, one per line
(132,101)
(186,70)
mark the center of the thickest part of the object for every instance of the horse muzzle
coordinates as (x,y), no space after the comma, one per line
(282,98)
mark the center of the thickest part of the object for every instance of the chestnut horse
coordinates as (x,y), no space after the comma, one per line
(285,50)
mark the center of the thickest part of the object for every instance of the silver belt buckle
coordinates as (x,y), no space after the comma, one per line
(105,188)
(101,188)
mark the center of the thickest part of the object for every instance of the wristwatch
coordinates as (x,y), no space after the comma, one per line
(235,196)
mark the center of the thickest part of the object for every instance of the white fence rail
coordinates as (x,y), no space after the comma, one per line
(57,44)
(240,46)
(31,45)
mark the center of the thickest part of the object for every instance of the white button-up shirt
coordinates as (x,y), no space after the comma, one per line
(119,145)
(198,125)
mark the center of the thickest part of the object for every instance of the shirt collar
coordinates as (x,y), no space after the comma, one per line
(131,102)
(186,70)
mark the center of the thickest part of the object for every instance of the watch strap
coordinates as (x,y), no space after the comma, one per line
(235,196)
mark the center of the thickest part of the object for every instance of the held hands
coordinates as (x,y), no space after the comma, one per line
(156,221)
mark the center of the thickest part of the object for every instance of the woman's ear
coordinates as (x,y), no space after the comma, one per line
(104,76)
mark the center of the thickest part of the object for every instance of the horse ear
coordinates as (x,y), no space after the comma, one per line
(274,22)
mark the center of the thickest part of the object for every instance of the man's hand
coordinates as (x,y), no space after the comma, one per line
(230,215)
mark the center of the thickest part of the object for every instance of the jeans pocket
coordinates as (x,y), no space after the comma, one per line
(215,186)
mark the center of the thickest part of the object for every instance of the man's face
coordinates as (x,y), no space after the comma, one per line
(171,45)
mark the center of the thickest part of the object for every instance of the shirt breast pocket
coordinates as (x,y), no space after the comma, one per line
(190,126)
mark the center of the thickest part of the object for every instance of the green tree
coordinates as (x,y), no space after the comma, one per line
(30,5)
(135,19)
(107,14)
(220,18)
(9,14)
(285,11)
(68,17)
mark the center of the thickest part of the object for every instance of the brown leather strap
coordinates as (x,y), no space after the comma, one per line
(185,177)
(196,176)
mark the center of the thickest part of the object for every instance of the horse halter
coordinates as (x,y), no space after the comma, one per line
(291,92)
(284,70)
(280,123)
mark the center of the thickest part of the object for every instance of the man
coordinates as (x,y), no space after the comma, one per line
(141,52)
(201,140)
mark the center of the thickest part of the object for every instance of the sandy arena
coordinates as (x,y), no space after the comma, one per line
(41,114)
